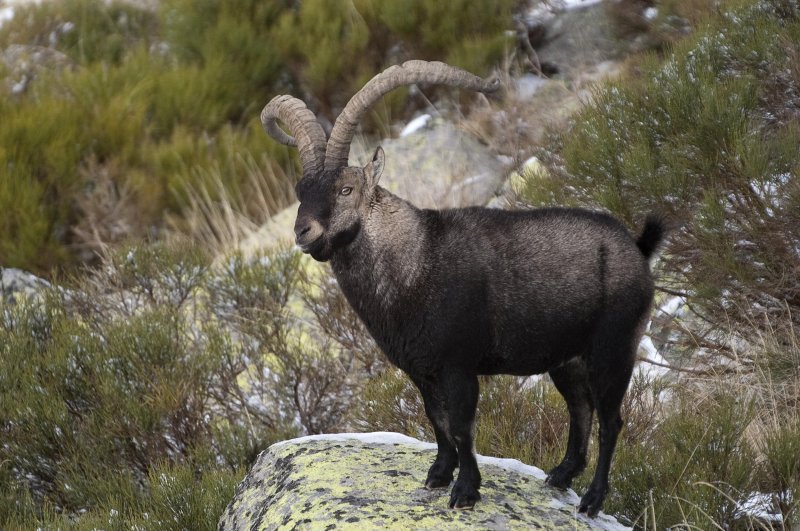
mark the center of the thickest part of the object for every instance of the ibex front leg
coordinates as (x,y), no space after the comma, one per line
(440,474)
(461,399)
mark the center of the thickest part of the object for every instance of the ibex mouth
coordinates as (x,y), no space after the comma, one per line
(312,247)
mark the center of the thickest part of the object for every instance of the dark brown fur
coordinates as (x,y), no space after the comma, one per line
(449,295)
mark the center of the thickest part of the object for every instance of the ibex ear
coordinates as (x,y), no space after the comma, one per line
(374,168)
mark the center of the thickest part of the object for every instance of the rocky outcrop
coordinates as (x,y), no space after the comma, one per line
(437,166)
(575,35)
(16,285)
(374,481)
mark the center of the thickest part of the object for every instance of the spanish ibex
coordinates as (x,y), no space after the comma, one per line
(452,294)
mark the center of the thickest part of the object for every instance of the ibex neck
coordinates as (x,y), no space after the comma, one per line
(385,260)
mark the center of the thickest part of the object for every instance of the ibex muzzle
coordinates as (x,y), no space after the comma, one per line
(308,229)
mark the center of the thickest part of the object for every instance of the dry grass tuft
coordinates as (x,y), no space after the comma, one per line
(531,110)
(220,216)
(107,215)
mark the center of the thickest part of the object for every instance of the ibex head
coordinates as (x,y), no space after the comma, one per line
(331,209)
(334,197)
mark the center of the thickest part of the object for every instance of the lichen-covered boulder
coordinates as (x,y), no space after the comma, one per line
(374,481)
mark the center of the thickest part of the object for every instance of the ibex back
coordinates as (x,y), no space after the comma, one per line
(449,295)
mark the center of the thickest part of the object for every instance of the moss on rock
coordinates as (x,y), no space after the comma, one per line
(373,481)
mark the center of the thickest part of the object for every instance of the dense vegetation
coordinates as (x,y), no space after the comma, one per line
(709,138)
(142,393)
(147,110)
(135,397)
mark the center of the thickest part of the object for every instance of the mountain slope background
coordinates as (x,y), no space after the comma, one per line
(136,391)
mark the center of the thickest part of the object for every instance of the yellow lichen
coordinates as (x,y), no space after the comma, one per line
(358,485)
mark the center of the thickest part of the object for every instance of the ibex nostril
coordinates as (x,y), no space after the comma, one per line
(307,232)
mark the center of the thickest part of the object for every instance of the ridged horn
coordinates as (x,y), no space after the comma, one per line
(306,133)
(393,77)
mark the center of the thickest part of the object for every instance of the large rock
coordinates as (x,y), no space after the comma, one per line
(374,481)
(436,166)
(576,34)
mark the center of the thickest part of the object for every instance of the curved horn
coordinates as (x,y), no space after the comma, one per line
(308,137)
(408,73)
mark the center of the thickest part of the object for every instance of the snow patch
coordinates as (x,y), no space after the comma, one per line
(546,10)
(651,366)
(761,506)
(6,14)
(530,163)
(531,381)
(8,8)
(575,4)
(417,124)
(475,179)
(378,437)
(20,86)
(528,84)
(674,307)
(513,465)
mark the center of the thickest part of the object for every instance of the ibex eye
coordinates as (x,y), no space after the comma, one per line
(346,190)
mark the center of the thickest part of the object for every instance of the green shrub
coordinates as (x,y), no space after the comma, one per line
(706,139)
(464,33)
(142,393)
(178,501)
(333,48)
(781,474)
(522,419)
(87,31)
(179,498)
(226,50)
(691,469)
(96,125)
(391,402)
(339,322)
(91,411)
(330,45)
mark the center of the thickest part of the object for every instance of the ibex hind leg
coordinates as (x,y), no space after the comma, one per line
(572,381)
(610,366)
